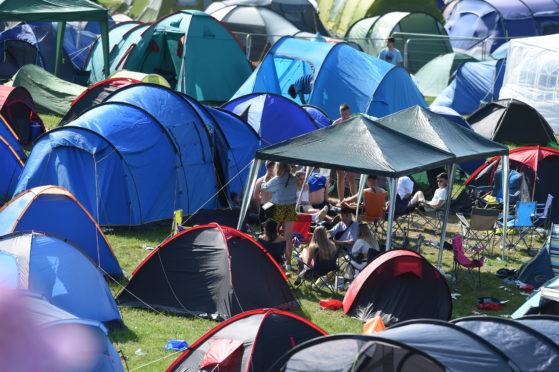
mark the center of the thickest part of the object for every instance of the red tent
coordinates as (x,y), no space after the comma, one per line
(18,109)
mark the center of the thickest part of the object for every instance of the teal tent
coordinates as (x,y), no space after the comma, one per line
(195,53)
(60,11)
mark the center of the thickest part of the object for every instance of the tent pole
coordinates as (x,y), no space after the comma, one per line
(105,44)
(308,171)
(392,183)
(505,181)
(249,190)
(59,45)
(451,168)
(362,182)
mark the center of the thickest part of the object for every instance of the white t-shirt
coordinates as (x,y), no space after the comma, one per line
(405,186)
(360,247)
(440,194)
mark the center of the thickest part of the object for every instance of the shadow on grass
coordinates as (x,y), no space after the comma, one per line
(123,335)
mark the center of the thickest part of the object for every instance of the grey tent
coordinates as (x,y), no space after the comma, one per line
(373,149)
(301,13)
(546,324)
(511,120)
(355,353)
(458,349)
(528,348)
(434,129)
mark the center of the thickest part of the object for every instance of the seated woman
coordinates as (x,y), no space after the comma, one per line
(360,251)
(439,198)
(272,241)
(320,246)
(372,188)
(304,203)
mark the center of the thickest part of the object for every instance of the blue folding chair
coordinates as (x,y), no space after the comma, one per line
(522,223)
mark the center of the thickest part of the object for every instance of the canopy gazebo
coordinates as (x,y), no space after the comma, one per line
(60,11)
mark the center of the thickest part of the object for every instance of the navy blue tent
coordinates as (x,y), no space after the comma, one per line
(327,75)
(537,270)
(318,115)
(8,134)
(60,272)
(11,167)
(497,20)
(229,141)
(546,324)
(475,84)
(273,117)
(53,210)
(528,348)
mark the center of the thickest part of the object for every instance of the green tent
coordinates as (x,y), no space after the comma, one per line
(434,76)
(371,33)
(50,94)
(195,53)
(338,15)
(156,9)
(60,11)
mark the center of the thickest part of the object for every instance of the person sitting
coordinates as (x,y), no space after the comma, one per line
(439,197)
(303,197)
(319,246)
(344,233)
(318,190)
(272,241)
(372,188)
(365,241)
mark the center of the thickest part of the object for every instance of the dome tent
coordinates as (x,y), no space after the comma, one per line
(54,210)
(436,74)
(254,340)
(318,115)
(187,48)
(371,34)
(210,271)
(11,167)
(60,272)
(336,73)
(18,109)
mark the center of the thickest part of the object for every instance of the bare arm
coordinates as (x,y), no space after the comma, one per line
(257,190)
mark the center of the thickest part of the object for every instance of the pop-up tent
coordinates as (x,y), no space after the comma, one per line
(327,75)
(374,149)
(338,15)
(399,285)
(18,109)
(51,95)
(347,352)
(475,84)
(513,121)
(209,271)
(532,76)
(193,51)
(273,117)
(53,210)
(371,34)
(545,324)
(250,341)
(475,25)
(60,272)
(318,115)
(61,11)
(95,351)
(436,74)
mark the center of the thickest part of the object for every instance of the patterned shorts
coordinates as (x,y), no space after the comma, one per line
(285,212)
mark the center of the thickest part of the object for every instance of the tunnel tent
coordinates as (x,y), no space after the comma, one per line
(371,34)
(210,271)
(53,210)
(332,73)
(61,11)
(59,271)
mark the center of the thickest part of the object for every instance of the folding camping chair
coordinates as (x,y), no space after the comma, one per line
(542,220)
(429,217)
(480,230)
(301,229)
(374,208)
(358,263)
(468,263)
(316,276)
(521,223)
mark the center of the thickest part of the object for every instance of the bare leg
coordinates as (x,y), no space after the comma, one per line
(352,184)
(288,233)
(340,185)
(418,197)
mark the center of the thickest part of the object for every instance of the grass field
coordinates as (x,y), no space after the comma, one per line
(148,331)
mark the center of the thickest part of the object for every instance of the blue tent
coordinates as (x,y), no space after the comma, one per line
(318,115)
(227,140)
(475,83)
(53,210)
(543,301)
(331,74)
(60,272)
(8,134)
(100,353)
(273,117)
(546,324)
(11,167)
(537,270)
(498,20)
